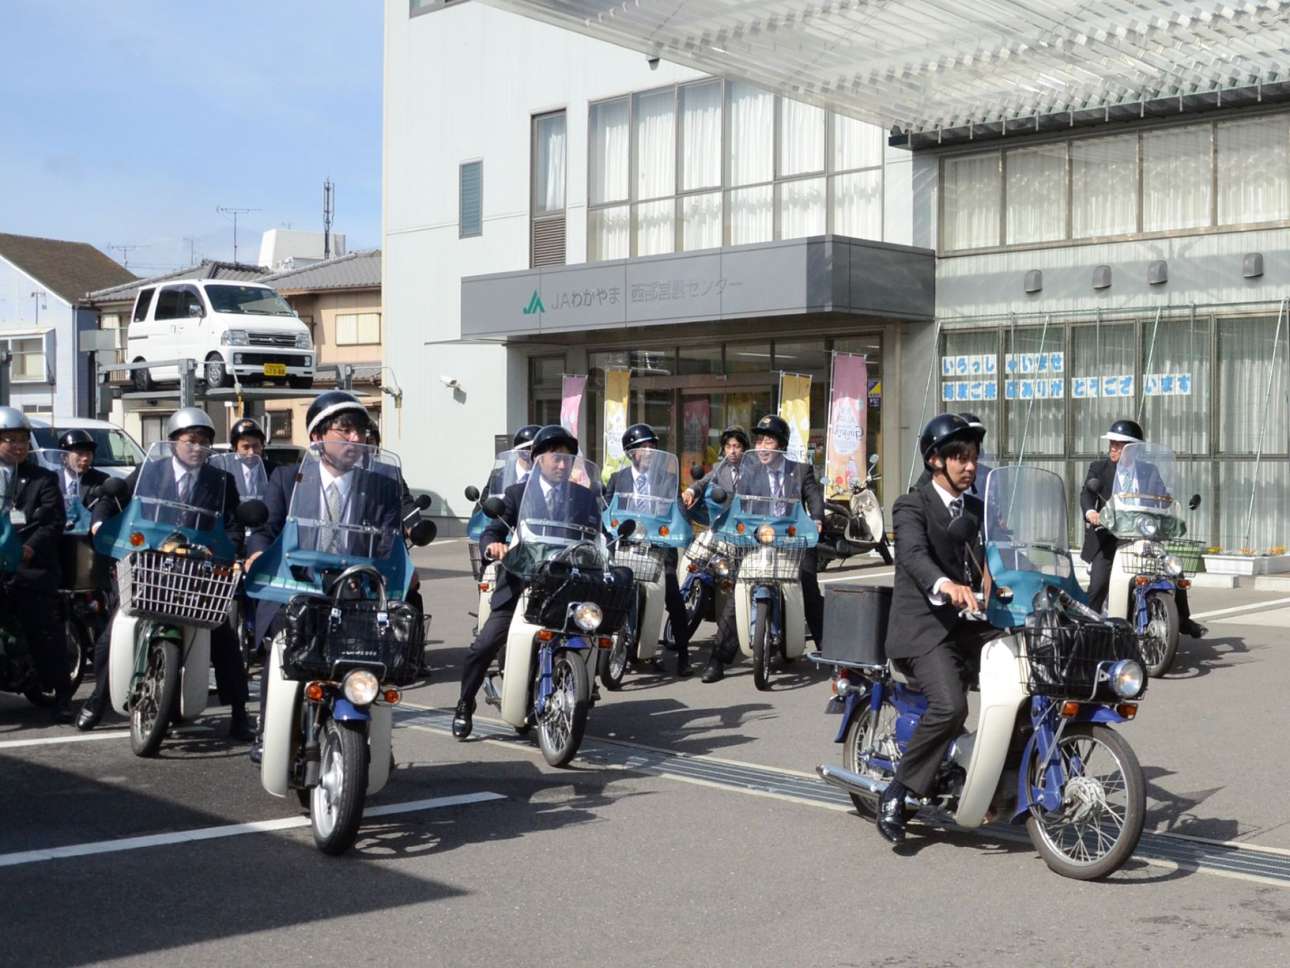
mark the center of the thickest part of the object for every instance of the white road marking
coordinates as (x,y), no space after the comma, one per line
(227,830)
(13,744)
(858,576)
(1252,607)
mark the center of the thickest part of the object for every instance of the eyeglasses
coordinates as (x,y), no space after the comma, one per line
(22,438)
(345,433)
(193,441)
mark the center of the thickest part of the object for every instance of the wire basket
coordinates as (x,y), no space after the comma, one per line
(1140,564)
(1069,660)
(477,564)
(780,562)
(176,588)
(707,546)
(644,560)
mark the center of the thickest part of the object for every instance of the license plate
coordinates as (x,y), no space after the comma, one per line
(275,369)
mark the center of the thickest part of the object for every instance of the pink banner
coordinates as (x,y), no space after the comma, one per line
(571,390)
(848,396)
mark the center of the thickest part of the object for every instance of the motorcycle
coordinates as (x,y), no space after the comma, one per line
(250,487)
(1142,514)
(509,467)
(660,527)
(1052,685)
(768,537)
(350,641)
(854,526)
(573,603)
(706,569)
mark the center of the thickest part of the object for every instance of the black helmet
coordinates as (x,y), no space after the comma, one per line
(246,427)
(1126,432)
(551,437)
(738,432)
(327,406)
(77,439)
(525,435)
(974,422)
(773,425)
(638,435)
(943,429)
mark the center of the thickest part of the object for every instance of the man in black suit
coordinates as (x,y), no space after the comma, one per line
(249,467)
(725,473)
(1099,543)
(636,480)
(935,578)
(555,504)
(38,516)
(78,476)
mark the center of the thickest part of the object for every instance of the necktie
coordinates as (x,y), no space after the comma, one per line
(334,511)
(73,487)
(642,485)
(956,511)
(185,488)
(551,501)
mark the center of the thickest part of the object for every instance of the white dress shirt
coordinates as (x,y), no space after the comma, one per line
(935,597)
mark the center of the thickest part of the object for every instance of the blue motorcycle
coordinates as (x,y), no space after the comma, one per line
(1052,685)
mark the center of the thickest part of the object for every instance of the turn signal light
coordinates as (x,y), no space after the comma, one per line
(662,529)
(1127,709)
(545,635)
(1070,708)
(137,539)
(314,692)
(1142,580)
(740,528)
(613,522)
(1184,583)
(483,586)
(692,567)
(393,696)
(605,642)
(792,531)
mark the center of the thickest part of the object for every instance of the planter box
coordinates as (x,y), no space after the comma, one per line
(1247,565)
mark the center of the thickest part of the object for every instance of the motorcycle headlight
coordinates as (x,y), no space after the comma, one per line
(1173,566)
(720,566)
(588,616)
(1127,679)
(235,337)
(360,687)
(1148,526)
(766,534)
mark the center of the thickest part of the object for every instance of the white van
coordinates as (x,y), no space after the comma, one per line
(116,453)
(229,328)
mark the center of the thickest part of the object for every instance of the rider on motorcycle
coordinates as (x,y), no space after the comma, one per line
(78,473)
(934,584)
(734,441)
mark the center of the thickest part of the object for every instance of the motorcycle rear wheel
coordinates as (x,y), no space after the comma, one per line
(865,736)
(158,695)
(761,647)
(1100,820)
(611,664)
(565,718)
(696,606)
(1160,638)
(336,803)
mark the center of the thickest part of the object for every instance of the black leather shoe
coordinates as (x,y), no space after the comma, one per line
(1193,630)
(61,712)
(461,720)
(713,672)
(239,727)
(257,751)
(683,670)
(891,814)
(88,718)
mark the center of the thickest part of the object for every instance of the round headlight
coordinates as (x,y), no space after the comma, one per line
(1127,679)
(1173,566)
(360,687)
(1148,526)
(720,566)
(766,534)
(588,616)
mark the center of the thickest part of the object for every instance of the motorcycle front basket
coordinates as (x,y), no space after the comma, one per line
(1134,563)
(780,562)
(556,588)
(644,561)
(1070,660)
(183,589)
(323,637)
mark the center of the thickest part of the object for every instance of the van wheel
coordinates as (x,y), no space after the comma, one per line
(141,380)
(214,373)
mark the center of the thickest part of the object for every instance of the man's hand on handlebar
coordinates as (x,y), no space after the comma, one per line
(1093,518)
(688,498)
(495,550)
(961,596)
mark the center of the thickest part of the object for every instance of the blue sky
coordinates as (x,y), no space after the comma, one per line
(129,122)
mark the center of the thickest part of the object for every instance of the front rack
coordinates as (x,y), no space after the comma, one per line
(778,562)
(644,560)
(183,589)
(1071,660)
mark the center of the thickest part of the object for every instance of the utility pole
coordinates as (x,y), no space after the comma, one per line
(125,251)
(329,210)
(235,212)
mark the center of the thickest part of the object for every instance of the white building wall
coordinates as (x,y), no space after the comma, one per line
(20,317)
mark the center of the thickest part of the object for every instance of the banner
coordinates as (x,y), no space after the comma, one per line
(571,390)
(795,407)
(848,393)
(616,401)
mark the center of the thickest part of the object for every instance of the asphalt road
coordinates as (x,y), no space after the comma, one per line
(692,832)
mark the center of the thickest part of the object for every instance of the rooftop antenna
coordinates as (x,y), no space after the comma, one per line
(192,250)
(235,212)
(329,210)
(125,251)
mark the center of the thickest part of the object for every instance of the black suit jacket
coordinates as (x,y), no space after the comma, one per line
(90,479)
(1097,541)
(925,553)
(38,496)
(214,489)
(382,502)
(794,471)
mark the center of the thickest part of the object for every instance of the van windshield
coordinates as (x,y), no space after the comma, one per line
(248,300)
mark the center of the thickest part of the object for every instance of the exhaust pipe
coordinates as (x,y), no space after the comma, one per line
(863,785)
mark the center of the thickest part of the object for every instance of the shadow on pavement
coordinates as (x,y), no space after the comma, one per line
(1174,813)
(670,724)
(1199,657)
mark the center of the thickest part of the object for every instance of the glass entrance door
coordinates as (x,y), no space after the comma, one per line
(704,414)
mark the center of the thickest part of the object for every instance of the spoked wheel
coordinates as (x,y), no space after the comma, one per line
(1097,826)
(1160,638)
(695,598)
(155,700)
(79,649)
(761,646)
(611,664)
(565,718)
(336,803)
(869,737)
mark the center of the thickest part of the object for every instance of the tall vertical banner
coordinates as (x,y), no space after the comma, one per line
(845,450)
(795,407)
(616,399)
(571,392)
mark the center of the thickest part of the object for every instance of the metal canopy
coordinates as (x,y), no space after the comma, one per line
(929,65)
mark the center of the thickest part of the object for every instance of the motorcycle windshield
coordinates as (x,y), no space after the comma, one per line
(559,515)
(6,490)
(1144,481)
(345,505)
(509,467)
(768,486)
(648,486)
(178,485)
(248,474)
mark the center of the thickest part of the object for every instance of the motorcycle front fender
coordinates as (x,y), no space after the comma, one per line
(1140,595)
(344,711)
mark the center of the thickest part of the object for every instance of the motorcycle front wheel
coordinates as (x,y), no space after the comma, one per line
(156,699)
(1160,638)
(695,598)
(565,718)
(761,647)
(336,803)
(611,664)
(80,649)
(1098,824)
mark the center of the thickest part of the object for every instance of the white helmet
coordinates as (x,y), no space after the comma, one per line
(189,418)
(11,418)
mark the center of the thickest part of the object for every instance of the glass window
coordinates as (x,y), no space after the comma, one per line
(1251,370)
(971,190)
(1101,370)
(1254,170)
(699,359)
(801,138)
(243,300)
(801,208)
(857,204)
(548,163)
(169,303)
(655,144)
(1036,194)
(752,134)
(1104,186)
(28,363)
(1177,178)
(470,199)
(701,135)
(141,303)
(1237,481)
(970,380)
(356,329)
(609,233)
(748,357)
(546,381)
(808,357)
(856,144)
(1176,391)
(701,221)
(1035,390)
(607,180)
(655,227)
(752,215)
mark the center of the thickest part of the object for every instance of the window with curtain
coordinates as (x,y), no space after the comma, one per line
(801,138)
(1177,178)
(1252,369)
(701,221)
(1254,170)
(752,134)
(1037,403)
(752,215)
(656,227)
(548,163)
(655,144)
(1238,481)
(1176,393)
(1104,186)
(609,134)
(857,204)
(358,329)
(975,348)
(856,144)
(701,135)
(1036,180)
(1099,353)
(801,208)
(970,189)
(609,233)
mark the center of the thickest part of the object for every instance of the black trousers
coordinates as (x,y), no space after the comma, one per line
(1099,587)
(675,605)
(39,615)
(484,649)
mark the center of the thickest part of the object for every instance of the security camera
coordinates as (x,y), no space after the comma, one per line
(652,61)
(450,382)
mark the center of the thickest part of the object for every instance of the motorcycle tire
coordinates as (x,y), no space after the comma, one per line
(80,649)
(611,664)
(39,696)
(336,803)
(1049,836)
(865,734)
(565,718)
(151,711)
(761,647)
(1160,647)
(884,550)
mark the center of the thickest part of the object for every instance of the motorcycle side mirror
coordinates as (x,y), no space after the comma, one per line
(627,528)
(493,506)
(423,532)
(115,489)
(1093,485)
(1194,503)
(718,494)
(964,528)
(873,459)
(422,502)
(472,493)
(696,471)
(251,514)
